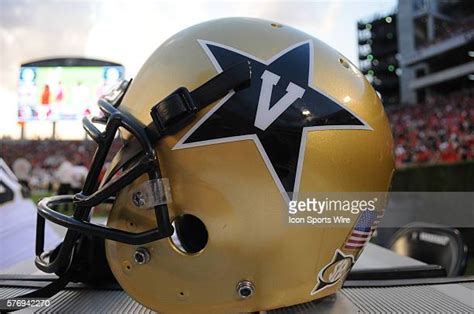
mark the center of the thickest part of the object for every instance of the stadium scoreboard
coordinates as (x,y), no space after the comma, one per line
(64,89)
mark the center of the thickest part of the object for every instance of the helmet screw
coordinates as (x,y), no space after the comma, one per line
(245,289)
(138,199)
(141,256)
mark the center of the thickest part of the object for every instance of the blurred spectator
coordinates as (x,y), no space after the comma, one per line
(22,167)
(79,174)
(65,176)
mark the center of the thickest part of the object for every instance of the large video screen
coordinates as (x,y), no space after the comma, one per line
(63,92)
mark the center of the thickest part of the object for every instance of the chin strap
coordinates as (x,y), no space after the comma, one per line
(169,116)
(52,288)
(89,266)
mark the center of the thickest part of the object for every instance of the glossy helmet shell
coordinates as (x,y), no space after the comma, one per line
(230,189)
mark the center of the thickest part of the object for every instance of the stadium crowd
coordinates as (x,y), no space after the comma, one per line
(441,130)
(50,165)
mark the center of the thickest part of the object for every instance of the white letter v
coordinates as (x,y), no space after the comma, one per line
(265,116)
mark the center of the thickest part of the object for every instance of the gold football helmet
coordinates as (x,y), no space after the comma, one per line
(225,124)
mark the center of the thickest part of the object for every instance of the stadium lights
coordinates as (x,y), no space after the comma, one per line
(470,53)
(388,19)
(471,77)
(391,68)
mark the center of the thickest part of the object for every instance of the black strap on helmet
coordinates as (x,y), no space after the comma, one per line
(180,107)
(71,260)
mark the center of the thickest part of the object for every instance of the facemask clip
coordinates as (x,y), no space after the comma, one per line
(151,193)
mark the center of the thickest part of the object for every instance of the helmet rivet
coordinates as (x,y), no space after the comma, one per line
(245,289)
(141,256)
(138,199)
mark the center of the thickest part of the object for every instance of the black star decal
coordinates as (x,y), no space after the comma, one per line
(276,111)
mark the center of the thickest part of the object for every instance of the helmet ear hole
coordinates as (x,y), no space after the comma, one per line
(190,234)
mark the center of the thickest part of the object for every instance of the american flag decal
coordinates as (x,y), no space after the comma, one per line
(364,228)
